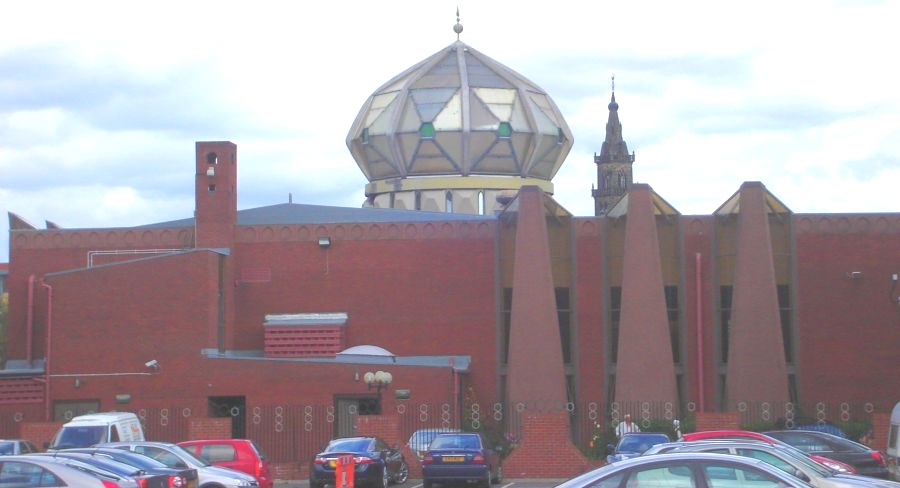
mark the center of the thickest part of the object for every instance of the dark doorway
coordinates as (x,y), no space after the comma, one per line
(348,408)
(234,407)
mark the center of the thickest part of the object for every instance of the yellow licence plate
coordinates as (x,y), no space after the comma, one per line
(454,459)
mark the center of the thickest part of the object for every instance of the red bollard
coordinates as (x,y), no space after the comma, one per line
(343,472)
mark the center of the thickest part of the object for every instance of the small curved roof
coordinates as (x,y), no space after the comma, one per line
(367,350)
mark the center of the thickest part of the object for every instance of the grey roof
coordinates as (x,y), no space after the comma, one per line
(296,213)
(459,363)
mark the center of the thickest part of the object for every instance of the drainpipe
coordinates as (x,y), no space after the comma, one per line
(456,403)
(29,322)
(699,304)
(47,351)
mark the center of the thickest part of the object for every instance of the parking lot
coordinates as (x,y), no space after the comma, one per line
(524,483)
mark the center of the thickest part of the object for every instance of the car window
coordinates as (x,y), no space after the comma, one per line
(609,482)
(217,453)
(351,445)
(723,475)
(15,474)
(668,476)
(160,455)
(768,458)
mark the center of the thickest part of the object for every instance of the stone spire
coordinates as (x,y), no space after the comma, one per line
(613,163)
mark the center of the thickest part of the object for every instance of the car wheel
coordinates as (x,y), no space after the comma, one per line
(486,482)
(402,474)
(498,476)
(314,484)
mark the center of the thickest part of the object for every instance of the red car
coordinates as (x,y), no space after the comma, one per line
(238,454)
(748,434)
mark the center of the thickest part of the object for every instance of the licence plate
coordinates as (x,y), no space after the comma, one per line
(454,459)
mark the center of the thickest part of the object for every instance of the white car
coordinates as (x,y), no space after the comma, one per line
(175,456)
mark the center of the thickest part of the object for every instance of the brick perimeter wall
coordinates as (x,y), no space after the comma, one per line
(718,421)
(209,428)
(39,433)
(544,433)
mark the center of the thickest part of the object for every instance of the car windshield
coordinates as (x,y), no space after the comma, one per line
(639,443)
(80,436)
(349,445)
(801,457)
(192,459)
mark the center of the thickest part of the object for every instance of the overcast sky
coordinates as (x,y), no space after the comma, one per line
(101,102)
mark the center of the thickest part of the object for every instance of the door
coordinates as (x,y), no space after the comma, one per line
(348,408)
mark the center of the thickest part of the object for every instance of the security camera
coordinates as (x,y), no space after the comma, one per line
(152,364)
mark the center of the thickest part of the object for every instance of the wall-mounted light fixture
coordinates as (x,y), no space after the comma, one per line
(378,380)
(854,275)
(211,171)
(152,365)
(324,241)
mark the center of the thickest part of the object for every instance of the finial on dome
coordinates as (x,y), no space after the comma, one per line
(458,28)
(612,103)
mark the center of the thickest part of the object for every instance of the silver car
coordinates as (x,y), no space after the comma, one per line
(32,470)
(687,470)
(175,456)
(786,458)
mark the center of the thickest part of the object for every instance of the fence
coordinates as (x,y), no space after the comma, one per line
(295,433)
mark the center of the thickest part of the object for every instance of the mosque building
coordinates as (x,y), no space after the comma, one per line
(459,291)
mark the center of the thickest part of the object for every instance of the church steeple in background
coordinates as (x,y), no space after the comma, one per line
(613,163)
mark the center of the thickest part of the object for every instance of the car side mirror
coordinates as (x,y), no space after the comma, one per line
(610,448)
(181,464)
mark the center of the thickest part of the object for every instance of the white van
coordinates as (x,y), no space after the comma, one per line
(893,446)
(87,430)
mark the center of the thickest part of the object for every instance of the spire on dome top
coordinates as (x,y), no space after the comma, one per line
(612,103)
(458,28)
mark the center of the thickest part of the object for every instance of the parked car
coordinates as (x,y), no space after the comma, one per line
(178,477)
(461,456)
(30,470)
(633,445)
(128,475)
(419,441)
(375,462)
(239,454)
(175,456)
(747,434)
(686,470)
(87,430)
(785,458)
(865,460)
(17,446)
(811,423)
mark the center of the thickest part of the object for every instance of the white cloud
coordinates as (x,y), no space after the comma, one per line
(101,101)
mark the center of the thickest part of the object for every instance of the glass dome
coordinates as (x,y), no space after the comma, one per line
(459,113)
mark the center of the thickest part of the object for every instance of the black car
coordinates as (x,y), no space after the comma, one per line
(178,477)
(375,462)
(866,461)
(108,467)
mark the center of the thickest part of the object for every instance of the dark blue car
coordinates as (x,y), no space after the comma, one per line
(634,444)
(460,456)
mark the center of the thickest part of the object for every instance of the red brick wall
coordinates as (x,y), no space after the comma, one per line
(881,424)
(544,433)
(209,428)
(717,421)
(39,433)
(848,321)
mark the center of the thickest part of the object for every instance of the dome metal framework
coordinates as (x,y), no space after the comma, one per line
(457,121)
